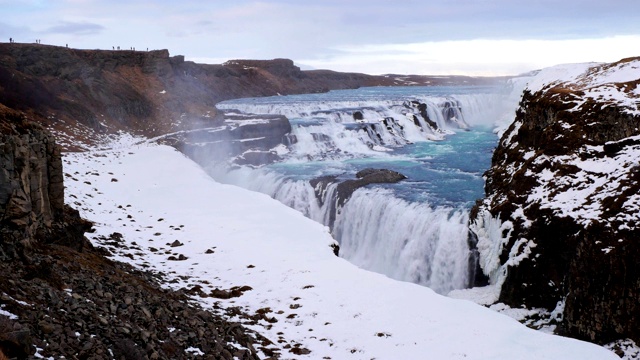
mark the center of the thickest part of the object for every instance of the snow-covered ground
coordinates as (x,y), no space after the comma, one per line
(230,237)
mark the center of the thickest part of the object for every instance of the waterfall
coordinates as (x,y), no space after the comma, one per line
(334,135)
(296,194)
(377,231)
(405,241)
(362,127)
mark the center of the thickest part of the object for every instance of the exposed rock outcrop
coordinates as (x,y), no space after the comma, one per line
(241,139)
(559,223)
(345,188)
(31,189)
(366,177)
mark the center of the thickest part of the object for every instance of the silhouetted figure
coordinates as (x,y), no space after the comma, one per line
(118,47)
(10,40)
(67,45)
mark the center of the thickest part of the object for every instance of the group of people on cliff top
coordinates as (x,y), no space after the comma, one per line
(39,41)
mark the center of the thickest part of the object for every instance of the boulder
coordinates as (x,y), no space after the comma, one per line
(364,178)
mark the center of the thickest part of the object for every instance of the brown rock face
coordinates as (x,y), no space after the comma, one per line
(146,92)
(31,189)
(564,178)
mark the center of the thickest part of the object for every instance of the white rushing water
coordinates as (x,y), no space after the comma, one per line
(406,241)
(414,231)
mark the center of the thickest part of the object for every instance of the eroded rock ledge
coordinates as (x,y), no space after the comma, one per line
(346,188)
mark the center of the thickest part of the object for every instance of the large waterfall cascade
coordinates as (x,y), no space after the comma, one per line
(439,137)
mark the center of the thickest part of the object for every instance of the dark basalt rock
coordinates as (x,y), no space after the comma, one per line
(476,276)
(590,265)
(345,188)
(366,177)
(31,190)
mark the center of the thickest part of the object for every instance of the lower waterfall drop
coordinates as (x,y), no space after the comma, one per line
(405,241)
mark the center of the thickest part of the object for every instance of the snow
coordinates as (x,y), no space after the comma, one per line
(581,195)
(491,240)
(557,74)
(626,347)
(194,351)
(8,314)
(604,83)
(321,301)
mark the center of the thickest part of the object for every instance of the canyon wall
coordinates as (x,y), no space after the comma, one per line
(558,227)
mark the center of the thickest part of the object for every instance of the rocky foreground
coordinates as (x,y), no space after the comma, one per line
(81,305)
(61,297)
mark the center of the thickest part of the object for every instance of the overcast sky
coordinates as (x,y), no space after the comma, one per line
(474,37)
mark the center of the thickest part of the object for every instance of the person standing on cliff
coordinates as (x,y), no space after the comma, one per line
(11,40)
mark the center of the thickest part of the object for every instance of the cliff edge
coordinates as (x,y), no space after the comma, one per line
(78,93)
(558,228)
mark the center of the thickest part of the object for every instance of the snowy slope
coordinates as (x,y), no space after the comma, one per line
(614,84)
(153,195)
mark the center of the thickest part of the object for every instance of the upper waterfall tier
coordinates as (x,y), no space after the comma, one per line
(366,121)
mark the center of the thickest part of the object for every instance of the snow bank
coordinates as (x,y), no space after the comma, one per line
(154,195)
(610,84)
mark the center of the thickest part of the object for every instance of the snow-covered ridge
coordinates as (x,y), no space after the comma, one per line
(153,195)
(594,177)
(615,84)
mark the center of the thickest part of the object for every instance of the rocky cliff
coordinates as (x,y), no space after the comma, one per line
(558,227)
(31,189)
